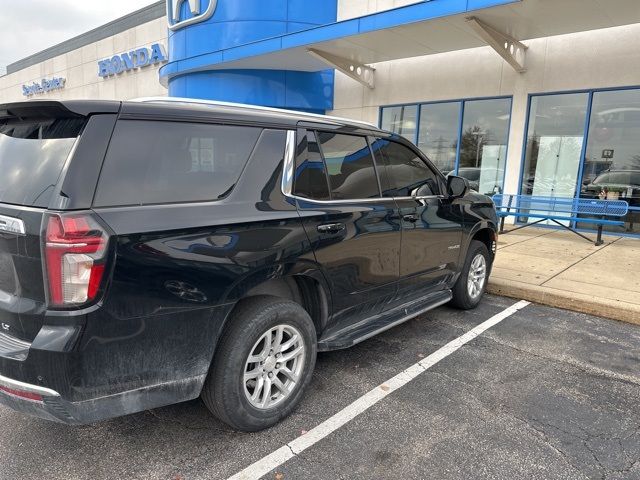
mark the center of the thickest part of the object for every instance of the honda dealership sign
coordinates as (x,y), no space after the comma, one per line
(173,13)
(142,57)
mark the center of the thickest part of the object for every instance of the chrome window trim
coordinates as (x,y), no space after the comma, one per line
(289,163)
(289,170)
(333,202)
(22,207)
(425,197)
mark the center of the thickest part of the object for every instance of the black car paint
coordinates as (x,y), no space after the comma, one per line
(177,270)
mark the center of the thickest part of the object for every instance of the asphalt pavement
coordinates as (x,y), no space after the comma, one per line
(545,393)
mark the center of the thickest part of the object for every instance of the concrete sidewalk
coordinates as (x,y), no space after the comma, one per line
(560,269)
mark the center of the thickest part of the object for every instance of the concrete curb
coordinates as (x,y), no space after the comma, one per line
(577,302)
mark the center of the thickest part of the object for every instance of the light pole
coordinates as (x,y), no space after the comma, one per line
(479,137)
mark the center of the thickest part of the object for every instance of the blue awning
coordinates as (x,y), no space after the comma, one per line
(423,28)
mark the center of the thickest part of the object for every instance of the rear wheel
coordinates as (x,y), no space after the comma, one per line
(263,364)
(472,283)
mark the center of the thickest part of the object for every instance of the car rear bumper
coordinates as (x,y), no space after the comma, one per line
(105,366)
(48,404)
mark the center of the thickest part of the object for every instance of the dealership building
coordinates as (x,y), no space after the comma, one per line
(538,97)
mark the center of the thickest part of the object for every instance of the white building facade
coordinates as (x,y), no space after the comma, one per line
(77,62)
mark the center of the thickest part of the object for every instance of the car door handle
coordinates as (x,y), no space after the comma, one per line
(412,218)
(331,227)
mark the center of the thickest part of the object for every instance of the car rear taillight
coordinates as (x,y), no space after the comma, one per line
(75,250)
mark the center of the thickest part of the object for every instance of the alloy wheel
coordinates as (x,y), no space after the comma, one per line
(477,276)
(274,367)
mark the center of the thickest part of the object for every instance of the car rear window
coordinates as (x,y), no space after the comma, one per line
(32,156)
(153,162)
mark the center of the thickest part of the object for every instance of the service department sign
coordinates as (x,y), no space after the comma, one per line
(140,58)
(173,13)
(45,86)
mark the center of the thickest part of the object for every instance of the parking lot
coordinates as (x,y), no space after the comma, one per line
(543,394)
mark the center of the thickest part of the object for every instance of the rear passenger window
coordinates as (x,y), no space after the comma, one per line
(169,162)
(406,173)
(350,166)
(310,179)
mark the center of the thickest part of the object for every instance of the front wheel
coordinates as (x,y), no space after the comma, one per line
(472,283)
(263,364)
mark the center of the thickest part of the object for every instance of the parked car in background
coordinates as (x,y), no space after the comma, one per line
(487,181)
(152,252)
(625,184)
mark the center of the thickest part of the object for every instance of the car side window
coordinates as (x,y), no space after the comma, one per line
(310,178)
(350,166)
(154,162)
(407,174)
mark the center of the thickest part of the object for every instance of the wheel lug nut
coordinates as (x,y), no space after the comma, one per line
(278,365)
(271,375)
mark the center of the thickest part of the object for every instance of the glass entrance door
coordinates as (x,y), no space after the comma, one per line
(558,166)
(555,140)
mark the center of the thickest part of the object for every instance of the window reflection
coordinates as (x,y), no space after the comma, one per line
(612,162)
(483,148)
(182,162)
(401,120)
(32,155)
(406,173)
(311,176)
(350,166)
(438,137)
(554,145)
(483,138)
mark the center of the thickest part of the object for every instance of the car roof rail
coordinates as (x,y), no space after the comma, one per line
(216,103)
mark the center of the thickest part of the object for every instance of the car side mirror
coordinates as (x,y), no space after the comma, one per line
(457,186)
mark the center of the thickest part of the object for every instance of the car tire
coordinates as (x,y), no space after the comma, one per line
(247,405)
(464,296)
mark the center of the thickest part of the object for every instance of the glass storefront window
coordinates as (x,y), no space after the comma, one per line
(554,145)
(483,138)
(401,120)
(483,148)
(612,163)
(557,163)
(438,134)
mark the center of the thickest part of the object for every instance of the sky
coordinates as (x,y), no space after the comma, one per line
(29,26)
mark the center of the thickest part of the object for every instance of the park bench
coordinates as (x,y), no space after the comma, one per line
(561,210)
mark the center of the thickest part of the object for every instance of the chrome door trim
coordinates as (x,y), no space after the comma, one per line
(289,172)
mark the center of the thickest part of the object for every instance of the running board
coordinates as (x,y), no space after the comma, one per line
(381,322)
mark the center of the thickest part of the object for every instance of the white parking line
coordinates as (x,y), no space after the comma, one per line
(344,416)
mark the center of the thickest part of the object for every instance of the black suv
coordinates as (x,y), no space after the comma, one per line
(155,251)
